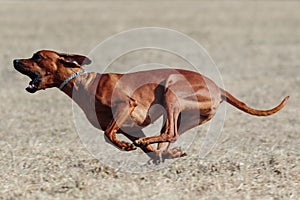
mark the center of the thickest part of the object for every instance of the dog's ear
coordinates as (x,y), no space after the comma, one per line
(73,60)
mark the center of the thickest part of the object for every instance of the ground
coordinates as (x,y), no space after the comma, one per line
(256,46)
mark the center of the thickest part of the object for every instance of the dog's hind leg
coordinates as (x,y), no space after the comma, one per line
(170,132)
(163,147)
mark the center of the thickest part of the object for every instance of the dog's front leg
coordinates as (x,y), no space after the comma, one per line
(120,115)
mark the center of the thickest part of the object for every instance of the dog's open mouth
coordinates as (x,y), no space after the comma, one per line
(35,79)
(33,84)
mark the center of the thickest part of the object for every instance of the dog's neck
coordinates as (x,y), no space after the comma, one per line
(82,84)
(68,89)
(68,81)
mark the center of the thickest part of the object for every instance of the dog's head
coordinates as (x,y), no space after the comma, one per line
(47,68)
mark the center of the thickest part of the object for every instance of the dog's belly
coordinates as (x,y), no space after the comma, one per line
(142,116)
(139,118)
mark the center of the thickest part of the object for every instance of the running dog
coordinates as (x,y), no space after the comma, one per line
(122,103)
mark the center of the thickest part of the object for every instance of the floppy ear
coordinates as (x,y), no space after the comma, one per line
(73,60)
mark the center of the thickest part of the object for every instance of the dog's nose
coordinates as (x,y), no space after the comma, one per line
(17,64)
(16,61)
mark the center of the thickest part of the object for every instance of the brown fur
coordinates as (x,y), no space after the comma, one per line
(123,101)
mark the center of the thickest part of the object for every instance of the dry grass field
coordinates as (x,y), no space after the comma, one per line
(256,46)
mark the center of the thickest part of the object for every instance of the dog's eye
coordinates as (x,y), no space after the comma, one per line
(37,57)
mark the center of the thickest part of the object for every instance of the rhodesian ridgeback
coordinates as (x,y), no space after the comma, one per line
(122,103)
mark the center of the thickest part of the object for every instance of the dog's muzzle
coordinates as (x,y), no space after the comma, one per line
(35,76)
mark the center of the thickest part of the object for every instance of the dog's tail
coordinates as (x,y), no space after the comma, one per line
(226,96)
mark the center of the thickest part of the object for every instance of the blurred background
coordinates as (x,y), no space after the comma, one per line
(256,46)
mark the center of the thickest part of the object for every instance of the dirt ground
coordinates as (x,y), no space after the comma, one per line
(256,46)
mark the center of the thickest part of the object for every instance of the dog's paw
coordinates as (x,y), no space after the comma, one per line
(128,146)
(141,143)
(156,158)
(173,153)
